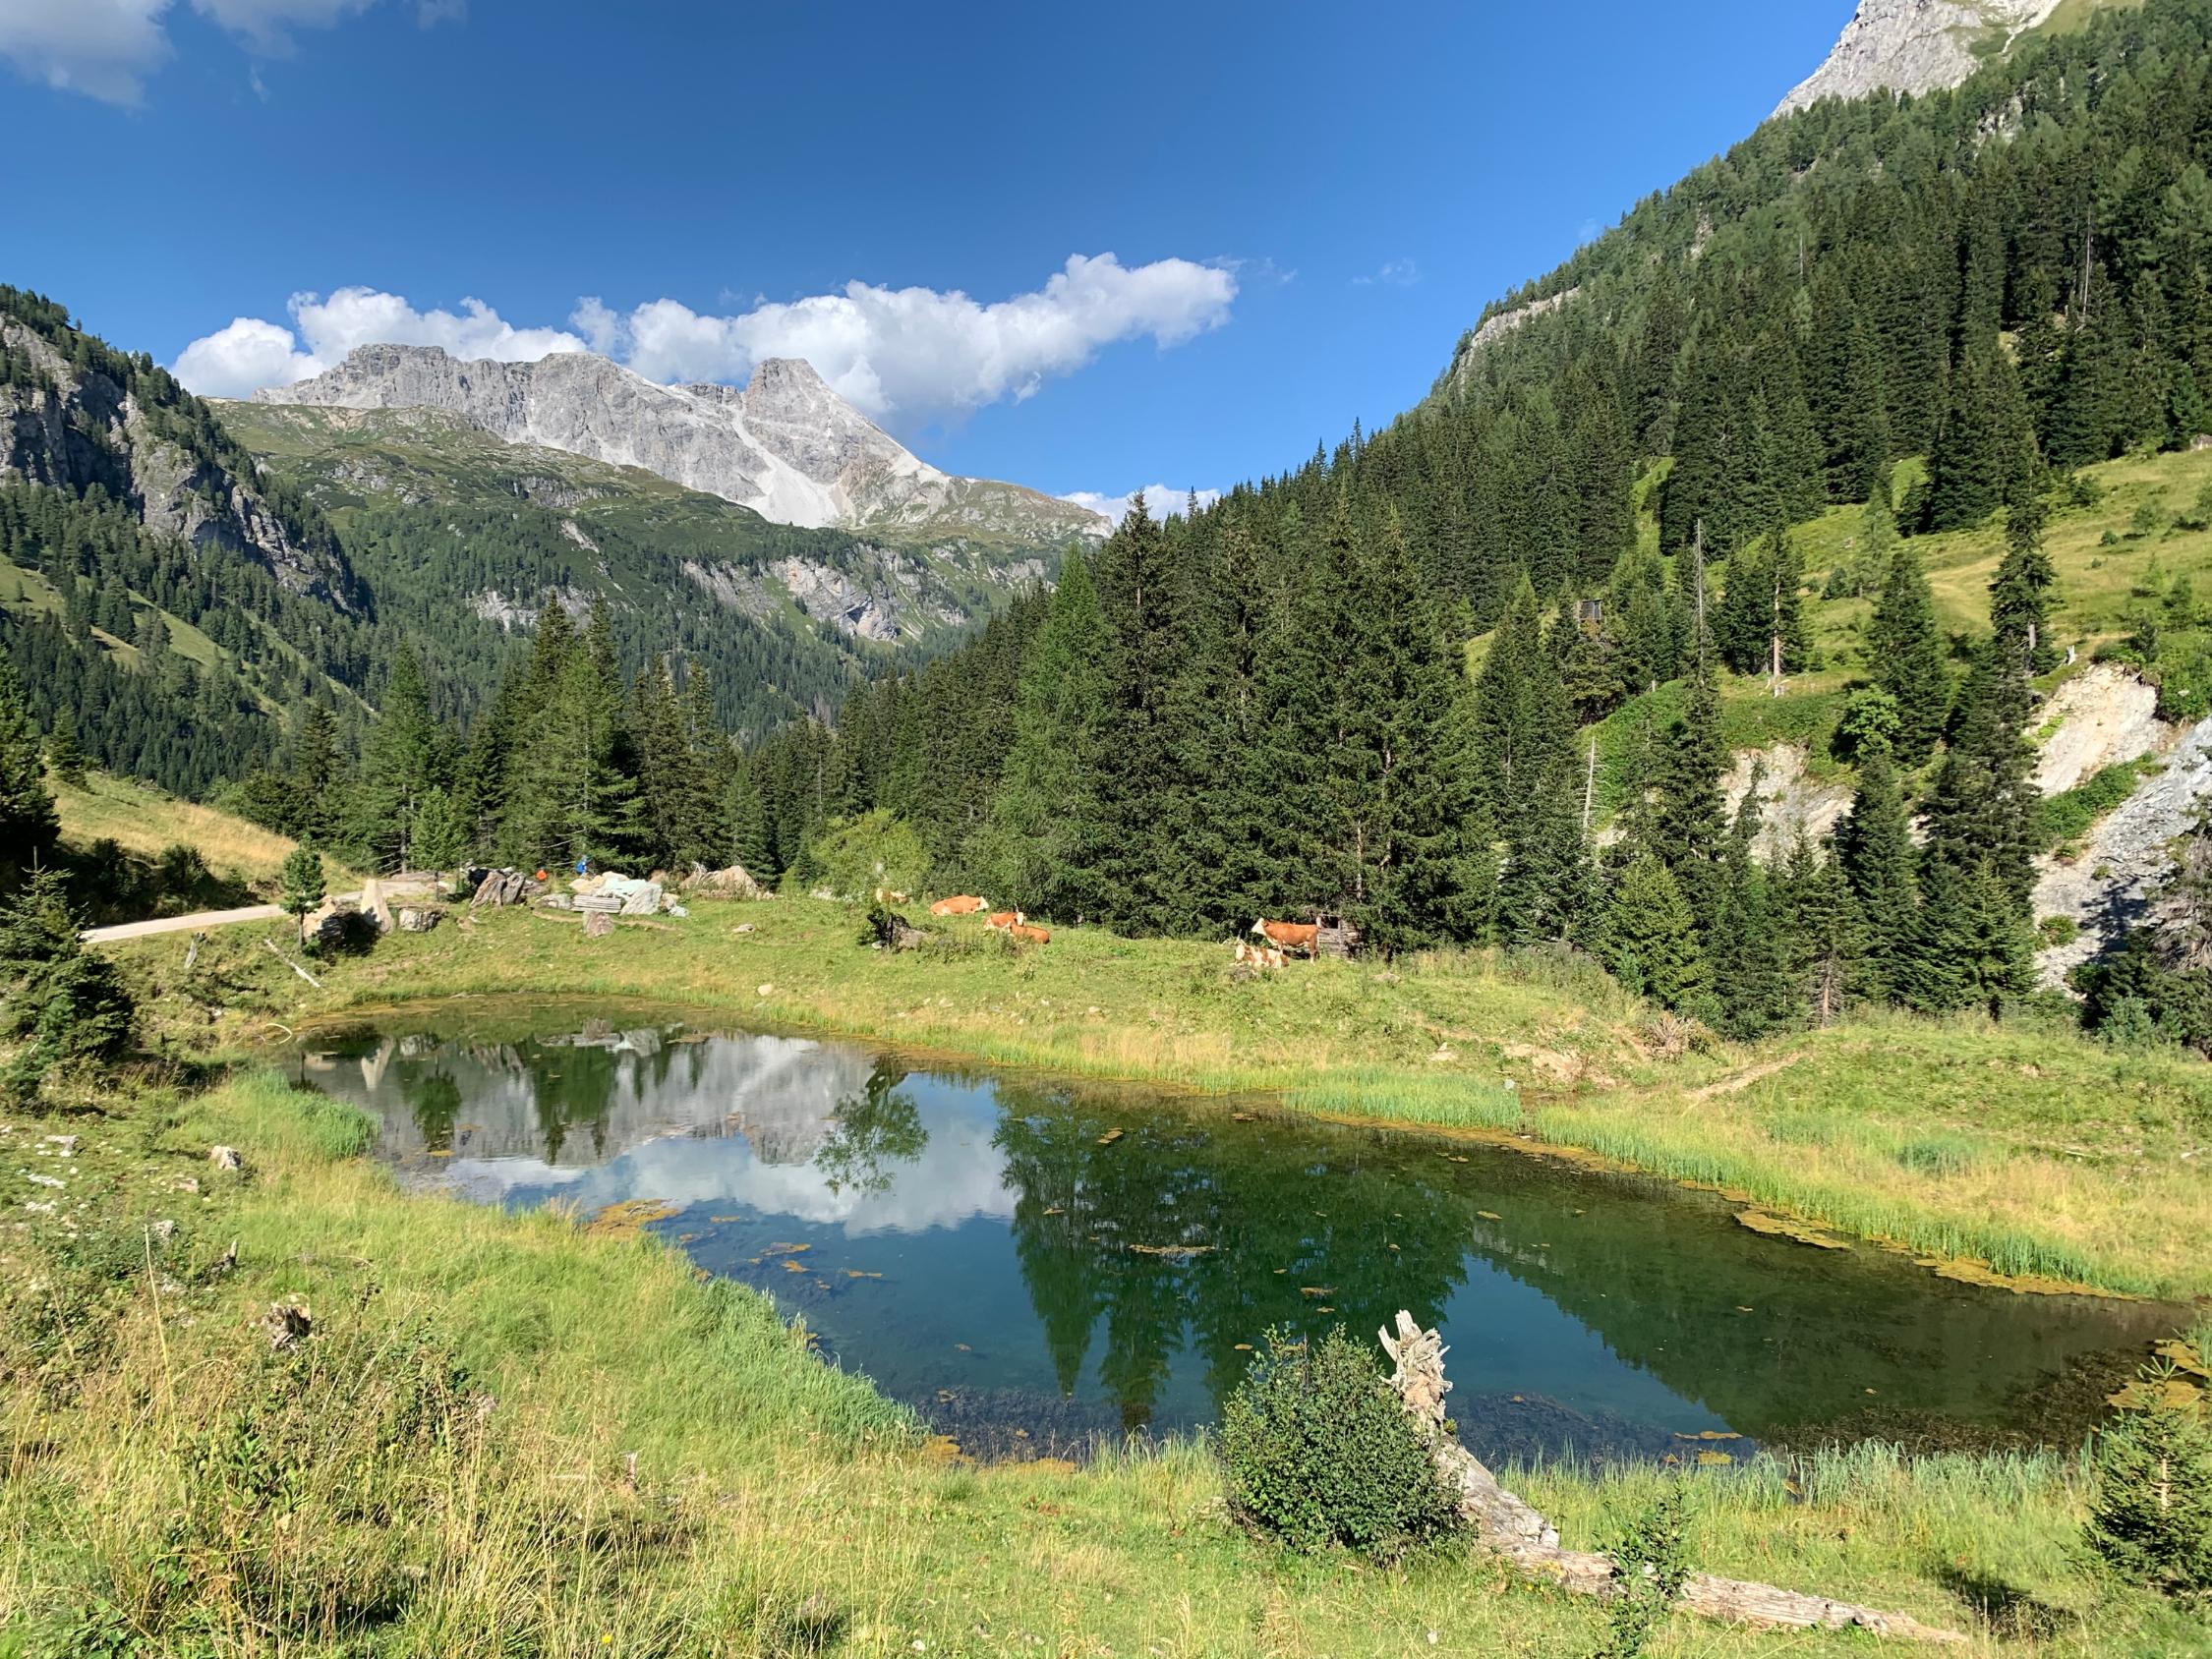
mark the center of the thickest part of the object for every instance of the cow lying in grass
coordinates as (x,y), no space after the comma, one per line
(966,904)
(1261,955)
(1015,927)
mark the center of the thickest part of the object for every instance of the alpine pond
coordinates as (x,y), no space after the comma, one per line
(1033,1262)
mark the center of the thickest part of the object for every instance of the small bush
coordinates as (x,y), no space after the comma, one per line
(1939,1155)
(1650,1564)
(2150,1521)
(1318,1451)
(2053,930)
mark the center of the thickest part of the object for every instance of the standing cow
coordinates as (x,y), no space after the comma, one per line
(1302,937)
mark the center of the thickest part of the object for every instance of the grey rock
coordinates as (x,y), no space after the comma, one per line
(1915,47)
(225,1158)
(787,445)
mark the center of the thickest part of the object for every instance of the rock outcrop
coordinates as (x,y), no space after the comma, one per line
(786,445)
(1915,47)
(73,425)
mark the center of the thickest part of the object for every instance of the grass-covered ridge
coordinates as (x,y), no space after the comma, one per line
(2060,1157)
(445,1465)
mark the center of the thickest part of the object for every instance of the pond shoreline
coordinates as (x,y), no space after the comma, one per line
(1804,1223)
(761,1155)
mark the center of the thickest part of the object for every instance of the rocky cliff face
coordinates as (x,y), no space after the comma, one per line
(1915,47)
(70,425)
(787,445)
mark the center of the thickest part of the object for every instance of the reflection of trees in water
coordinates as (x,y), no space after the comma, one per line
(873,1131)
(572,1087)
(1176,1230)
(433,1099)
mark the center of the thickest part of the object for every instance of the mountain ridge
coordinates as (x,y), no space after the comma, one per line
(1914,47)
(786,445)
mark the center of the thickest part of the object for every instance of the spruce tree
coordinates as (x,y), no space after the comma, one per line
(28,825)
(1043,820)
(303,883)
(1906,653)
(1826,929)
(62,752)
(1650,940)
(1875,851)
(1691,826)
(1977,874)
(407,756)
(2020,594)
(1747,944)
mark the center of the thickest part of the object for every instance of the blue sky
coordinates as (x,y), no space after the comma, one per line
(1306,204)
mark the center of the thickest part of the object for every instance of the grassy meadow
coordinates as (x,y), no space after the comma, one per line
(512,1434)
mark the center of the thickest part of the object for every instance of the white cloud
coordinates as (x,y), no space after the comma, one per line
(1391,274)
(102,48)
(902,356)
(265,25)
(1159,501)
(251,353)
(908,354)
(106,49)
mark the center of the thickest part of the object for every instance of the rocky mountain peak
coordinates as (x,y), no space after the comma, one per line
(1915,47)
(787,445)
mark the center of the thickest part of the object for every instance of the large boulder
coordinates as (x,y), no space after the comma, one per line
(730,883)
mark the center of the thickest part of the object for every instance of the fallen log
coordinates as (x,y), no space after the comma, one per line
(1514,1530)
(294,966)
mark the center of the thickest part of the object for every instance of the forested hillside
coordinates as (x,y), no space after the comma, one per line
(179,584)
(1929,314)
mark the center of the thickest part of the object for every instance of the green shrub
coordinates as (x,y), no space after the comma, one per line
(2068,816)
(2057,930)
(2151,1519)
(1318,1451)
(855,856)
(1650,1564)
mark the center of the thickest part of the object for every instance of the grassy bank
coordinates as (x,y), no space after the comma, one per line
(2028,1148)
(443,1464)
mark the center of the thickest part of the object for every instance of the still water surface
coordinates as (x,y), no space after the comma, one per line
(1032,1262)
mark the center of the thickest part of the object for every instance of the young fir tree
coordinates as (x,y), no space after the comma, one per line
(1691,825)
(1826,930)
(702,834)
(1043,820)
(2021,593)
(28,825)
(2150,1519)
(1976,870)
(407,757)
(304,887)
(660,739)
(61,1003)
(321,788)
(1518,729)
(1747,946)
(1906,653)
(1648,939)
(63,754)
(443,839)
(1875,852)
(1878,542)
(1966,473)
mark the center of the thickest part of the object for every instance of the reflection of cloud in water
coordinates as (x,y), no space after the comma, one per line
(958,1175)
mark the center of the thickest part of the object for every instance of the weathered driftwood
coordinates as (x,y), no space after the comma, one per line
(294,966)
(1510,1528)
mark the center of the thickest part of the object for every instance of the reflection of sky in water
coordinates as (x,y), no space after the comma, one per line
(991,1252)
(958,1176)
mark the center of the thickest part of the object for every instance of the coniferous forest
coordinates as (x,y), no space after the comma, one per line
(1365,688)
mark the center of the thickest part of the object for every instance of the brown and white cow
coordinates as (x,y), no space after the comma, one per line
(1022,934)
(1290,936)
(966,904)
(1004,921)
